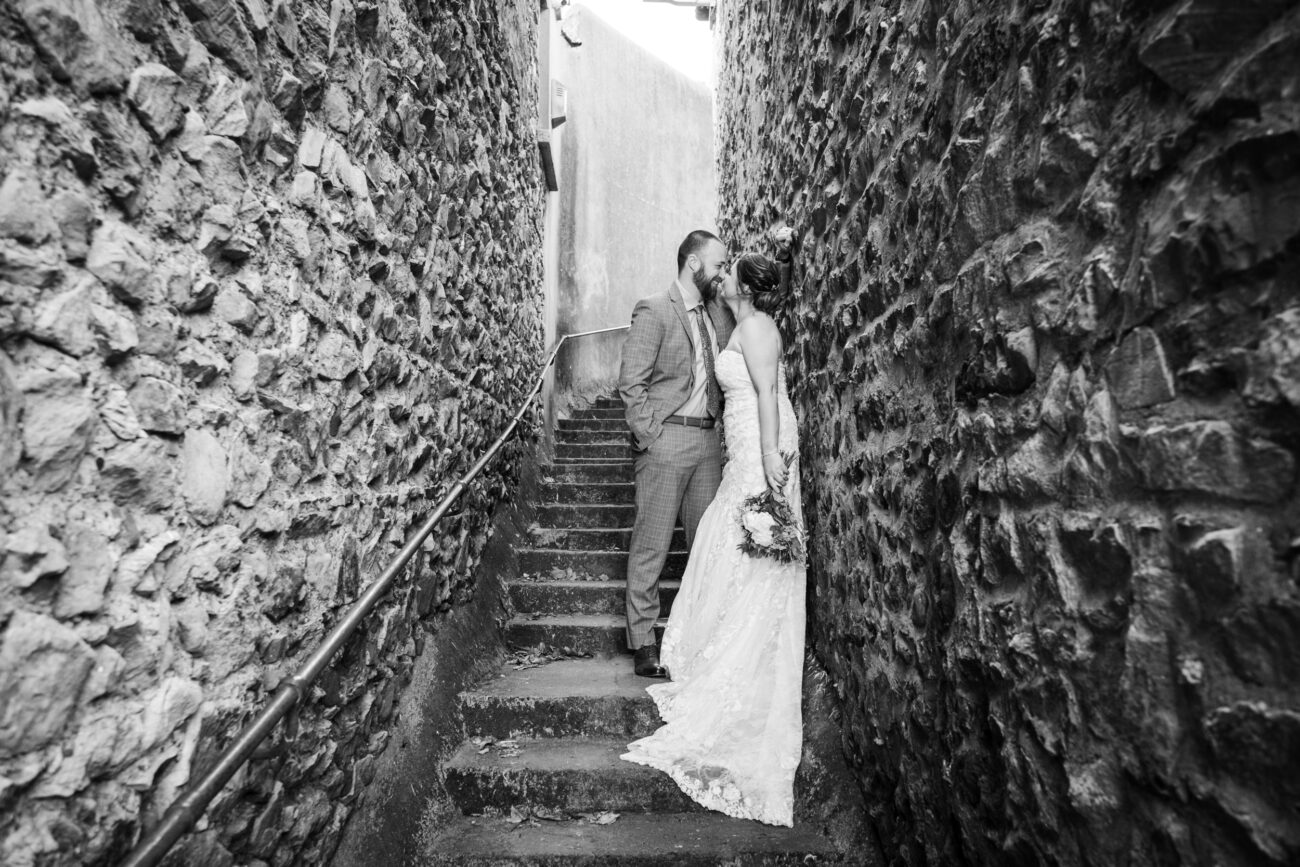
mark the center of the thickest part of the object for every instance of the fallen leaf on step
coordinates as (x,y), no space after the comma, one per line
(531,657)
(547,537)
(548,814)
(605,817)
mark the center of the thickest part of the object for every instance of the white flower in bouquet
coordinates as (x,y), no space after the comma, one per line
(770,527)
(760,526)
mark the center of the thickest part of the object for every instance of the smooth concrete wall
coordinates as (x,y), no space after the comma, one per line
(636,174)
(550,45)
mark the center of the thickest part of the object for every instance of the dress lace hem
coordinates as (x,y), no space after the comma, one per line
(704,795)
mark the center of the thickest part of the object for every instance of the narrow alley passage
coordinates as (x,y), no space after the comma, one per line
(276,277)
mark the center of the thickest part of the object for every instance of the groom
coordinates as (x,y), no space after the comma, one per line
(673,406)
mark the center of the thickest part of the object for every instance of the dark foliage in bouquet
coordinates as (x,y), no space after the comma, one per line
(768,527)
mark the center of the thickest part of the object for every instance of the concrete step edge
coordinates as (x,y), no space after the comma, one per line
(612,583)
(582,552)
(592,621)
(568,773)
(692,839)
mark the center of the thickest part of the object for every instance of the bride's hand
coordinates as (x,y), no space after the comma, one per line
(784,238)
(776,471)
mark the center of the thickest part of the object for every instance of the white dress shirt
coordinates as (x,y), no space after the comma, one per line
(697,405)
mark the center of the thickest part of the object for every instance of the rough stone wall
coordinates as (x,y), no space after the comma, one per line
(404,801)
(269,281)
(1046,346)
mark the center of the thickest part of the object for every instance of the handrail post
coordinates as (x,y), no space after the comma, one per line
(181,815)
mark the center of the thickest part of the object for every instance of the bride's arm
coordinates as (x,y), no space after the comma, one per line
(761,344)
(784,240)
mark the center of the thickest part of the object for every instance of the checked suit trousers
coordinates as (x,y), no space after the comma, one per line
(678,474)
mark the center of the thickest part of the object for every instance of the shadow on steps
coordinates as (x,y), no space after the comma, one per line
(403,792)
(826,792)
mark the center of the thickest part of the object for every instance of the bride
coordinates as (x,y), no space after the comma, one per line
(734,644)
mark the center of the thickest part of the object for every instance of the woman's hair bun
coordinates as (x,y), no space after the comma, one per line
(760,275)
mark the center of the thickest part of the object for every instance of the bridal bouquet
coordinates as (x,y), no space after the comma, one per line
(768,528)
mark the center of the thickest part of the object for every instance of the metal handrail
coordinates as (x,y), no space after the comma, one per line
(185,810)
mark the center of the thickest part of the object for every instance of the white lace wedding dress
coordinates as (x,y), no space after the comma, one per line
(734,644)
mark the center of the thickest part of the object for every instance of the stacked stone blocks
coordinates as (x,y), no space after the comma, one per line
(1045,342)
(269,282)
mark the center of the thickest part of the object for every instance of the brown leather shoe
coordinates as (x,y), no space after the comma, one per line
(645,662)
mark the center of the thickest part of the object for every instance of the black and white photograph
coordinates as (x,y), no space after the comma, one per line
(649,433)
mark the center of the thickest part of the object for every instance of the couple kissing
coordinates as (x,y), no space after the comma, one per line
(714,433)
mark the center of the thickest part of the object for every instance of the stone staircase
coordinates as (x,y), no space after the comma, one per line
(538,780)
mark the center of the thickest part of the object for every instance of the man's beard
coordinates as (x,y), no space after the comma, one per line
(707,285)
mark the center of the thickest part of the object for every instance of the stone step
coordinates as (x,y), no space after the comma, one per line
(611,424)
(603,451)
(570,774)
(597,634)
(654,840)
(613,471)
(611,564)
(613,401)
(581,597)
(583,462)
(585,516)
(601,412)
(592,437)
(599,697)
(587,492)
(593,539)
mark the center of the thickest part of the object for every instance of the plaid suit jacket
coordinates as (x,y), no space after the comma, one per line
(658,368)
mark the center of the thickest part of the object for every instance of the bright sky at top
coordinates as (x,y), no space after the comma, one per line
(667,31)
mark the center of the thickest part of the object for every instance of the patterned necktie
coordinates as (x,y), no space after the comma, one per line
(713,394)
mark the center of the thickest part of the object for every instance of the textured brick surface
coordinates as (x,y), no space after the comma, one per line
(1043,345)
(269,281)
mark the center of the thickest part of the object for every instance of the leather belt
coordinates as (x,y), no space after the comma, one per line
(690,421)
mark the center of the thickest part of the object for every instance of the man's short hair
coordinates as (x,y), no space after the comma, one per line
(694,243)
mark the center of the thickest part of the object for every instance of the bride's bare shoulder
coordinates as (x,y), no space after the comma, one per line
(757,333)
(757,324)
